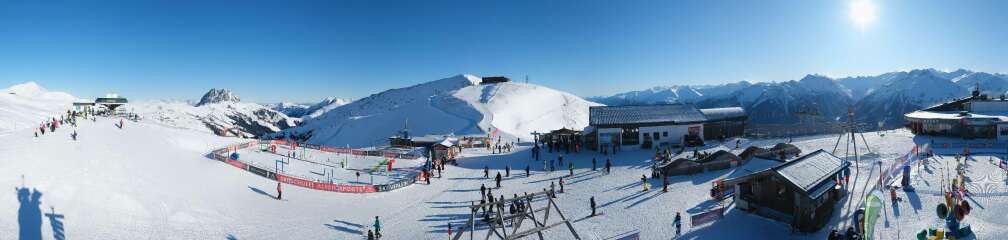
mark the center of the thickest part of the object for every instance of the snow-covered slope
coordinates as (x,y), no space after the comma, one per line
(908,92)
(884,97)
(673,94)
(298,110)
(28,104)
(458,105)
(290,109)
(221,114)
(993,85)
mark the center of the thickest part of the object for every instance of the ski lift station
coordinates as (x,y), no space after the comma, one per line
(975,117)
(668,124)
(111,101)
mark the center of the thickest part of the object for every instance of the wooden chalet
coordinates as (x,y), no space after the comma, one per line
(801,192)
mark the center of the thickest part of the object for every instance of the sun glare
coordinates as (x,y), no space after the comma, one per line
(862,12)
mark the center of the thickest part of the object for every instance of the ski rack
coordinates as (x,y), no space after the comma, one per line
(498,227)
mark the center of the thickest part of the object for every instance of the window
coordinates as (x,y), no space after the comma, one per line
(656,136)
(664,134)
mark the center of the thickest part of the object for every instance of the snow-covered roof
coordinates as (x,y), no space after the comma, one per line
(447,143)
(810,170)
(723,113)
(670,113)
(956,115)
(754,165)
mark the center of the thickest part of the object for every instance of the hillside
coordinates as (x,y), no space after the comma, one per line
(457,105)
(879,98)
(28,104)
(219,112)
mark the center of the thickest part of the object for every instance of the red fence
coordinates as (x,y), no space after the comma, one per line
(222,155)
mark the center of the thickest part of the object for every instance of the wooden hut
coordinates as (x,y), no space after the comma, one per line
(800,192)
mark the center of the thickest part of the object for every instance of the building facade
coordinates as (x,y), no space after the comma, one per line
(974,117)
(669,124)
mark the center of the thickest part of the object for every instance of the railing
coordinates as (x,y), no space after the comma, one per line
(222,155)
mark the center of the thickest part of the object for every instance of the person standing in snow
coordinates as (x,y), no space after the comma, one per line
(527,170)
(377,227)
(591,202)
(570,167)
(665,183)
(593,164)
(279,192)
(498,179)
(482,191)
(552,189)
(678,223)
(608,166)
(370,235)
(643,179)
(561,185)
(507,170)
(486,172)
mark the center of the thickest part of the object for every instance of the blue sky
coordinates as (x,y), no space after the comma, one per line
(269,51)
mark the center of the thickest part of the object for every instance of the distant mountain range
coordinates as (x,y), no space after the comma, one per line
(881,98)
(309,109)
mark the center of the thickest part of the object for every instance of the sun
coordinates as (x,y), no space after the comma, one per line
(862,12)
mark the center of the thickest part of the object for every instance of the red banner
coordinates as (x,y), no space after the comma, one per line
(325,186)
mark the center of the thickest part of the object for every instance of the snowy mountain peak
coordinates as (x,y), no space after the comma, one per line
(218,96)
(26,89)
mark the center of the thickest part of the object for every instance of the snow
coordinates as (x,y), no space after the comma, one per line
(313,165)
(250,118)
(153,180)
(457,105)
(26,105)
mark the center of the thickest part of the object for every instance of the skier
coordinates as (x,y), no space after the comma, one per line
(608,166)
(527,170)
(570,167)
(643,179)
(498,179)
(561,185)
(358,175)
(377,227)
(74,135)
(665,183)
(591,202)
(449,230)
(593,164)
(552,190)
(482,190)
(507,170)
(678,223)
(370,235)
(279,192)
(486,171)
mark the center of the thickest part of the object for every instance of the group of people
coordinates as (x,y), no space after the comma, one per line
(69,118)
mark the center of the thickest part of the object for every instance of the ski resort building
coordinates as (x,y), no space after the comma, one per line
(801,192)
(669,124)
(111,101)
(83,105)
(976,116)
